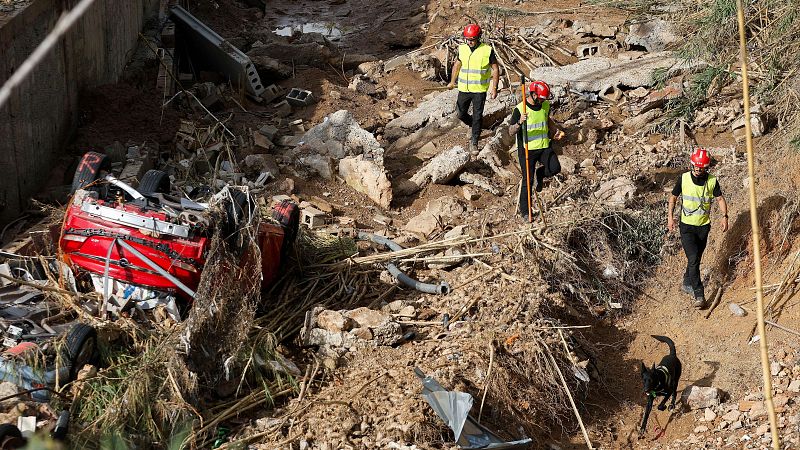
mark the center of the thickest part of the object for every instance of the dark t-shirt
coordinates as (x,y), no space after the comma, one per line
(515,119)
(699,181)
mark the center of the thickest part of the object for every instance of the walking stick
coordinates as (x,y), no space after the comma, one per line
(527,163)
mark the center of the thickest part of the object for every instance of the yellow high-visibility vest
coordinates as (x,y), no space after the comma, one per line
(696,200)
(475,68)
(537,136)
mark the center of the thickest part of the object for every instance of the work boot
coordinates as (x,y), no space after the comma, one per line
(473,149)
(699,301)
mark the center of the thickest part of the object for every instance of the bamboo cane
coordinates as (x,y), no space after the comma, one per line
(773,421)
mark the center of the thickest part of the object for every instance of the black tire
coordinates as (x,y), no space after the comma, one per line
(237,213)
(154,182)
(10,437)
(80,348)
(90,167)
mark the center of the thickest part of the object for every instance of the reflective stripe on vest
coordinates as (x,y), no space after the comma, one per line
(696,200)
(475,69)
(537,136)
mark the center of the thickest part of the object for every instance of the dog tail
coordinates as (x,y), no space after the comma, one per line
(667,341)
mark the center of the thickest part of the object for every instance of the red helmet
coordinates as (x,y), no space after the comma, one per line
(472,31)
(540,89)
(700,158)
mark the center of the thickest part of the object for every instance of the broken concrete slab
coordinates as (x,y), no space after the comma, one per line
(496,146)
(594,29)
(655,35)
(424,223)
(442,168)
(368,177)
(445,206)
(321,164)
(635,124)
(340,127)
(597,74)
(270,68)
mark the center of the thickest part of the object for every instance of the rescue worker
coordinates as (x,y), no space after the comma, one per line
(476,72)
(539,125)
(697,190)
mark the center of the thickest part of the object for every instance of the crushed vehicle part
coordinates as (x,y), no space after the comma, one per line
(442,288)
(204,45)
(156,244)
(80,349)
(453,407)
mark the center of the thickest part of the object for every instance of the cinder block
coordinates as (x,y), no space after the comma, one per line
(299,97)
(271,92)
(312,217)
(587,51)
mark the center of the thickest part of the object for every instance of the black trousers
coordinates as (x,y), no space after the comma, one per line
(478,100)
(694,239)
(549,166)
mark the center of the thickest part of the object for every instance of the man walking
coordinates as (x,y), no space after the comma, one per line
(538,121)
(697,189)
(472,72)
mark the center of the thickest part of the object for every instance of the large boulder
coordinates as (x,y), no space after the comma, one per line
(368,177)
(699,397)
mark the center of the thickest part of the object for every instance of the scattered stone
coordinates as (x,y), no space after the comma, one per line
(362,85)
(427,151)
(700,429)
(321,164)
(366,317)
(775,368)
(697,397)
(586,163)
(8,389)
(479,181)
(424,223)
(616,192)
(709,415)
(654,35)
(568,165)
(634,124)
(737,310)
(469,193)
(287,185)
(794,386)
(732,416)
(445,206)
(407,311)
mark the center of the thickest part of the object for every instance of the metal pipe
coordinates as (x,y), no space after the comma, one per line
(442,288)
(156,267)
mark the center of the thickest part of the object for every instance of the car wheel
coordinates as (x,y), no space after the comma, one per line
(10,437)
(89,169)
(80,348)
(154,182)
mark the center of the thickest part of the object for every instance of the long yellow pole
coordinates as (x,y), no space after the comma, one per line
(527,161)
(773,422)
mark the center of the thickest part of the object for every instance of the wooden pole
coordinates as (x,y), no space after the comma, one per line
(767,375)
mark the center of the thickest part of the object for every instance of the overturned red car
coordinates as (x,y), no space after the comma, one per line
(148,246)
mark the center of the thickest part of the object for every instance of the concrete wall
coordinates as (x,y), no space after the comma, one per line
(42,113)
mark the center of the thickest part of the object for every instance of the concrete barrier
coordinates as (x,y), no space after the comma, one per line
(42,113)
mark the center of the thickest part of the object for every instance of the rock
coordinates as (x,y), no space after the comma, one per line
(479,181)
(469,193)
(427,65)
(321,164)
(634,124)
(362,333)
(709,415)
(594,29)
(366,317)
(339,135)
(700,429)
(287,186)
(269,132)
(442,168)
(388,333)
(362,85)
(262,141)
(732,416)
(794,386)
(586,163)
(568,165)
(333,321)
(368,177)
(654,35)
(639,92)
(757,125)
(427,151)
(445,206)
(424,223)
(457,231)
(407,311)
(775,368)
(7,389)
(616,192)
(372,69)
(697,397)
(496,146)
(318,336)
(737,310)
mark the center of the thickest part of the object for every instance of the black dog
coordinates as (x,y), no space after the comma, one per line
(661,380)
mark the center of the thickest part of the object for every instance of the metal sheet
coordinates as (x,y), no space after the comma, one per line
(135,220)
